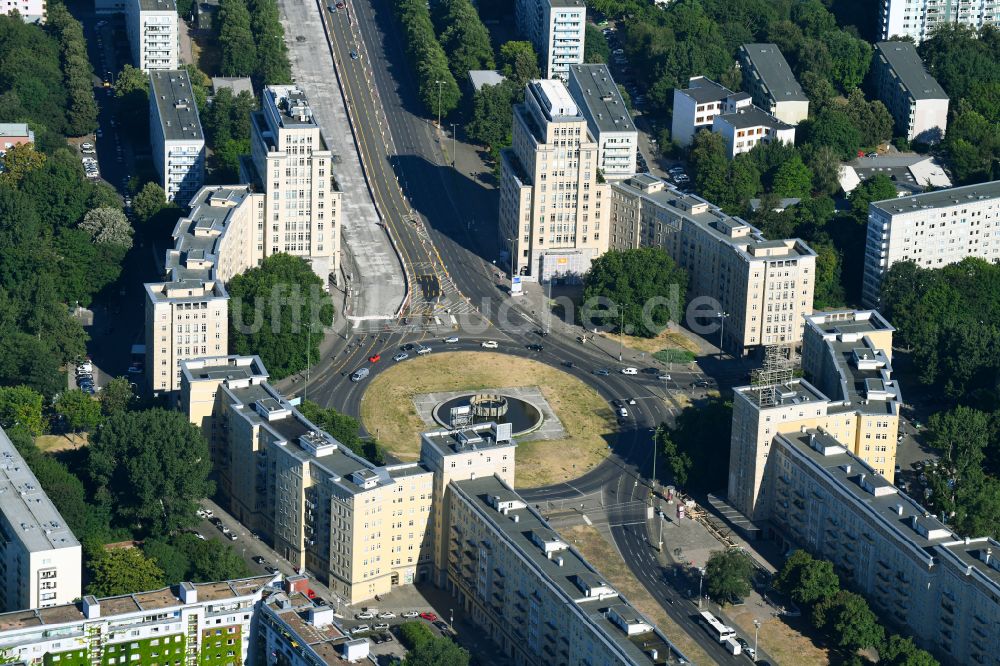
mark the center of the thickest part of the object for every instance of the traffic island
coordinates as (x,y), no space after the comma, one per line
(389,410)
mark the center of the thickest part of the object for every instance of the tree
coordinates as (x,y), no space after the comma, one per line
(412,634)
(828,292)
(728,574)
(117,396)
(595,47)
(78,410)
(438,652)
(21,406)
(698,439)
(108,226)
(464,37)
(876,188)
(269,36)
(153,466)
(793,179)
(641,287)
(806,579)
(436,86)
(834,128)
(519,62)
(239,52)
(81,111)
(123,571)
(491,116)
(849,621)
(679,461)
(184,557)
(18,162)
(345,429)
(150,200)
(900,651)
(872,119)
(707,158)
(825,166)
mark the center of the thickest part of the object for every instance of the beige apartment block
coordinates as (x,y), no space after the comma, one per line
(933,229)
(766,287)
(912,567)
(291,162)
(918,103)
(769,80)
(919,18)
(532,592)
(553,204)
(187,315)
(847,392)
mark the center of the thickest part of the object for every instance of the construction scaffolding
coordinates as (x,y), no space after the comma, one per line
(778,370)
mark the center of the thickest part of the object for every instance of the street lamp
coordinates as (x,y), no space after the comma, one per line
(653,431)
(701,570)
(756,630)
(451,616)
(454,153)
(510,242)
(722,327)
(621,336)
(440,83)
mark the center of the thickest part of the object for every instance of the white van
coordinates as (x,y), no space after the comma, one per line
(359,374)
(630,371)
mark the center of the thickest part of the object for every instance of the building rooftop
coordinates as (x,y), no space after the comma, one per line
(910,72)
(312,629)
(168,597)
(775,73)
(733,231)
(228,368)
(939,198)
(16,129)
(477,437)
(581,587)
(485,77)
(563,4)
(752,116)
(31,516)
(704,90)
(290,106)
(176,108)
(157,6)
(237,84)
(554,99)
(599,94)
(911,173)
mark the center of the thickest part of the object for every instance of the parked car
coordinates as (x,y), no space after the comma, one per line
(430,617)
(381,626)
(360,629)
(411,614)
(622,412)
(87,148)
(231,536)
(260,560)
(387,615)
(365,616)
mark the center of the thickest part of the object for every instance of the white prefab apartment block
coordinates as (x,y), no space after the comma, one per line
(31,11)
(292,163)
(607,119)
(918,104)
(766,286)
(40,559)
(932,229)
(745,126)
(553,209)
(918,18)
(771,84)
(175,134)
(152,33)
(557,29)
(696,106)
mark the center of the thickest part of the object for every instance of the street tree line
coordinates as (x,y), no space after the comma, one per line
(78,76)
(462,35)
(252,40)
(437,87)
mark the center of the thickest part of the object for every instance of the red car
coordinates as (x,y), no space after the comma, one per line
(374,358)
(430,617)
(310,593)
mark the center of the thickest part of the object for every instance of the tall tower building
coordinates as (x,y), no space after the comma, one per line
(919,18)
(557,30)
(291,162)
(553,203)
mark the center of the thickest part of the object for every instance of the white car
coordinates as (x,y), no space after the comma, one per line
(388,615)
(630,371)
(622,412)
(87,148)
(401,356)
(381,627)
(365,616)
(489,344)
(208,513)
(411,614)
(360,629)
(451,340)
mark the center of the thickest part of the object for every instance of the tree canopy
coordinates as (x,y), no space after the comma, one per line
(463,36)
(728,574)
(279,310)
(642,289)
(436,86)
(184,557)
(696,443)
(21,406)
(118,571)
(344,428)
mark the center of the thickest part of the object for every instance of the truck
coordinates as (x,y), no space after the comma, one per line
(732,646)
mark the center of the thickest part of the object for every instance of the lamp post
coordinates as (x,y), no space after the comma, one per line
(548,308)
(621,336)
(440,83)
(722,327)
(510,241)
(701,570)
(756,630)
(653,432)
(454,154)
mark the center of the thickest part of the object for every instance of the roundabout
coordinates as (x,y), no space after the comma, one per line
(496,383)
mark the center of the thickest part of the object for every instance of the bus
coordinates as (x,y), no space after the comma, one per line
(712,625)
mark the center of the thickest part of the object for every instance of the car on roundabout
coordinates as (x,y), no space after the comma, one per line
(452,339)
(401,356)
(374,358)
(489,344)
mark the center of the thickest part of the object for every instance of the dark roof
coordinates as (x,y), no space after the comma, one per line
(175,105)
(752,116)
(593,88)
(774,72)
(703,90)
(906,64)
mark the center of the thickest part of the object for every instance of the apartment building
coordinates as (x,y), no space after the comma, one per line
(932,229)
(152,33)
(918,19)
(31,11)
(608,121)
(744,127)
(176,137)
(941,588)
(696,106)
(15,134)
(557,30)
(292,630)
(187,314)
(40,559)
(532,592)
(203,623)
(765,286)
(918,104)
(291,163)
(771,84)
(847,391)
(553,204)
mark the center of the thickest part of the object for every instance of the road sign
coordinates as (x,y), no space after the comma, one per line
(515,285)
